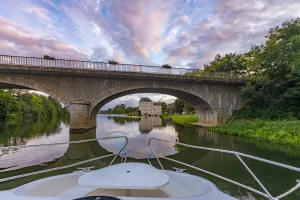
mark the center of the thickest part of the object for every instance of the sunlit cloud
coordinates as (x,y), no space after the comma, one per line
(182,33)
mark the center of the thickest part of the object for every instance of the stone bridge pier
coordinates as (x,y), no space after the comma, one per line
(80,120)
(84,91)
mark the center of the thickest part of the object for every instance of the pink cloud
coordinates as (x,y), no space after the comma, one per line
(233,26)
(180,32)
(27,44)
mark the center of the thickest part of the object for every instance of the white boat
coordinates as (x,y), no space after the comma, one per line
(131,180)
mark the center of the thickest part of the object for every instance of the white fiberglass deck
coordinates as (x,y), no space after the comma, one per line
(146,182)
(167,185)
(126,176)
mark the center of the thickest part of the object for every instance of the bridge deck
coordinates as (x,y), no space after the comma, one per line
(16,64)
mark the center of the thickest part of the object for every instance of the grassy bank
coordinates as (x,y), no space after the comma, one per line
(182,119)
(133,116)
(285,132)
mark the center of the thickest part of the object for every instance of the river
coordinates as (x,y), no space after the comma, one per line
(139,131)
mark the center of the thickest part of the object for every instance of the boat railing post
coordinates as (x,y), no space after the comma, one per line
(253,175)
(155,154)
(123,157)
(266,193)
(126,142)
(290,190)
(149,157)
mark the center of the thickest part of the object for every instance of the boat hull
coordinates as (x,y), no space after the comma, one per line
(68,187)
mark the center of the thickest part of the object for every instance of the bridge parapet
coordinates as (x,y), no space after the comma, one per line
(89,65)
(84,87)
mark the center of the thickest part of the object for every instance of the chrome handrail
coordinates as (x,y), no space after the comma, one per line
(266,193)
(6,149)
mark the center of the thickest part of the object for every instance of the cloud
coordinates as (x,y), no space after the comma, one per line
(182,33)
(176,32)
(18,40)
(233,26)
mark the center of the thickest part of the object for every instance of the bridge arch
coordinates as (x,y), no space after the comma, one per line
(28,85)
(83,90)
(207,114)
(33,85)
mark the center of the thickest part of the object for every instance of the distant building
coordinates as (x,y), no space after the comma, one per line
(147,107)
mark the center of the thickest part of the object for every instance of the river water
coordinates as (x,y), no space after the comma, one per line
(20,161)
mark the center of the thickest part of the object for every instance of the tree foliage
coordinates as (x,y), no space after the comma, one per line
(113,62)
(164,107)
(183,106)
(166,66)
(179,105)
(17,106)
(46,57)
(121,109)
(229,63)
(274,71)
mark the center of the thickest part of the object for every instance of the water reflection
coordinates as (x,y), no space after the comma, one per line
(276,179)
(146,124)
(69,154)
(120,120)
(31,133)
(78,152)
(138,141)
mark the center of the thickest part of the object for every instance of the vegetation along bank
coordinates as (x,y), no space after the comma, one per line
(271,98)
(16,105)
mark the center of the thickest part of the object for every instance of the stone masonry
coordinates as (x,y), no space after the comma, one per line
(84,92)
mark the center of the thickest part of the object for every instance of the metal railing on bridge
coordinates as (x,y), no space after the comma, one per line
(89,65)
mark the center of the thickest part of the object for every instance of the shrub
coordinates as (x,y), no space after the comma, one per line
(112,62)
(46,57)
(166,66)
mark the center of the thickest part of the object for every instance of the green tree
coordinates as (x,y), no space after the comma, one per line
(7,104)
(16,106)
(228,63)
(46,57)
(179,105)
(188,107)
(163,107)
(167,66)
(273,69)
(113,62)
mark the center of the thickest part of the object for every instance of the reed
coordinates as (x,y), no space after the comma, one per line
(283,131)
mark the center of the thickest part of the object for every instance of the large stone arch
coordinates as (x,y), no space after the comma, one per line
(84,91)
(208,115)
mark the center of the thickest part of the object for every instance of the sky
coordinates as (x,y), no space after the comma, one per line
(182,33)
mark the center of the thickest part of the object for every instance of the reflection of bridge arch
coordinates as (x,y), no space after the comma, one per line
(82,151)
(75,153)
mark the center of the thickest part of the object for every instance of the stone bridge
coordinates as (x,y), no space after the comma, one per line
(84,87)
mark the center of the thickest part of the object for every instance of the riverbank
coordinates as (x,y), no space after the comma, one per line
(182,119)
(133,116)
(283,131)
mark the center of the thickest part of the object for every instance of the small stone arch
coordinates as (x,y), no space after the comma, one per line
(32,86)
(23,83)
